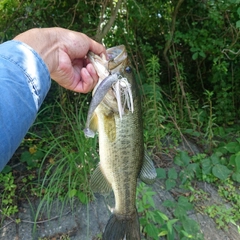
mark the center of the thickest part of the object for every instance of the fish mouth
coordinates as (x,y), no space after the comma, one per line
(100,64)
(116,57)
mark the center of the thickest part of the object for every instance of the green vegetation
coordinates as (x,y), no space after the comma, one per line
(219,171)
(7,195)
(155,224)
(186,60)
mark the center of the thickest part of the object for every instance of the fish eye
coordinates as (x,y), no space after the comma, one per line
(128,69)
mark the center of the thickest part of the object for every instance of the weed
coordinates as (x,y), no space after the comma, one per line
(8,194)
(66,166)
(228,211)
(153,108)
(150,218)
(209,133)
(156,224)
(217,170)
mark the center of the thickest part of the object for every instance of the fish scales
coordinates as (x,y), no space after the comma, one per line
(121,159)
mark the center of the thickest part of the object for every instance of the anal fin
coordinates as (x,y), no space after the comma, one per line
(99,183)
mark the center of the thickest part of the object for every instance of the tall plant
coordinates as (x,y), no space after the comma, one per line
(153,104)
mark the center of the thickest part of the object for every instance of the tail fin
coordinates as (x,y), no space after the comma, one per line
(120,227)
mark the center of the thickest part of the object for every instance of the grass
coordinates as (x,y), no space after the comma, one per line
(70,157)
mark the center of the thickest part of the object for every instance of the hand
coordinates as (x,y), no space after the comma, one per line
(64,52)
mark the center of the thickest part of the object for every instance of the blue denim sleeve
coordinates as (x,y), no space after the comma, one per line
(24,83)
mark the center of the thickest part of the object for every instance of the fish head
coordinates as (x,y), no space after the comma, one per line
(118,97)
(115,61)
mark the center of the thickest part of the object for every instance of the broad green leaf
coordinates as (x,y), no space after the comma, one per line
(163,216)
(179,212)
(169,203)
(186,174)
(193,49)
(238,24)
(158,219)
(233,147)
(182,159)
(193,167)
(163,233)
(38,155)
(143,221)
(26,156)
(221,171)
(82,197)
(184,203)
(172,173)
(187,235)
(161,173)
(7,169)
(202,54)
(215,159)
(195,56)
(170,183)
(236,176)
(232,160)
(152,231)
(238,11)
(237,162)
(72,193)
(190,226)
(170,224)
(206,166)
(178,161)
(185,158)
(183,176)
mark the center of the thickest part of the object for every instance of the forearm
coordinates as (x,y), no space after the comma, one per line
(45,42)
(24,81)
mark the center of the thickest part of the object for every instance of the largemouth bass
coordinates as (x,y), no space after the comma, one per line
(115,112)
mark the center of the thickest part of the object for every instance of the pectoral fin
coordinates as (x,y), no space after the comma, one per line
(148,172)
(93,127)
(99,183)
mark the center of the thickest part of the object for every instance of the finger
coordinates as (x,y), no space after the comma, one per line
(93,73)
(97,48)
(86,82)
